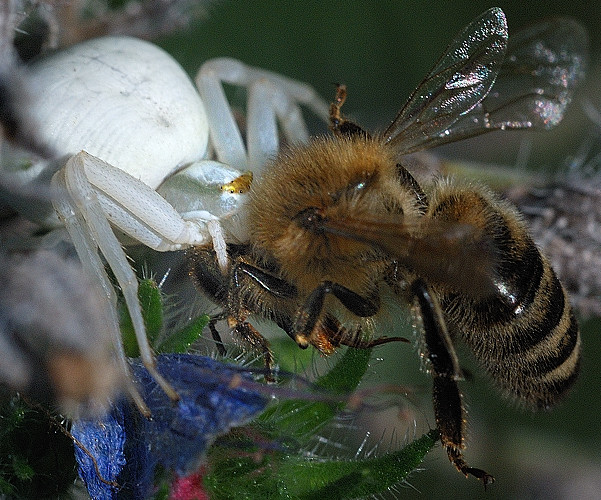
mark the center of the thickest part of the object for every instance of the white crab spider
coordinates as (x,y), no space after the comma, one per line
(125,119)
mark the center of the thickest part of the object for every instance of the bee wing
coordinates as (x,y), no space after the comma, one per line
(532,87)
(543,65)
(460,79)
(456,256)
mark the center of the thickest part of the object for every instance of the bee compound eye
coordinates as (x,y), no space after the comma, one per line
(311,219)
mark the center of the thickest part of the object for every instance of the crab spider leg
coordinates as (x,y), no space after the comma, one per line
(99,193)
(261,127)
(225,135)
(270,96)
(266,101)
(150,220)
(82,241)
(90,260)
(141,213)
(137,209)
(102,237)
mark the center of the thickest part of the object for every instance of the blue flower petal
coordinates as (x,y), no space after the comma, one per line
(127,447)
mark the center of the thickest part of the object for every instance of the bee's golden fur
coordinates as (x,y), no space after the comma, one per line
(312,177)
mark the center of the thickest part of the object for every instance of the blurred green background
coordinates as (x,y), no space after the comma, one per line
(381,50)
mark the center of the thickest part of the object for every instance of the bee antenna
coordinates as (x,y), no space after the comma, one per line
(338,124)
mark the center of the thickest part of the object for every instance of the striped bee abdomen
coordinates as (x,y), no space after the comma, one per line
(525,335)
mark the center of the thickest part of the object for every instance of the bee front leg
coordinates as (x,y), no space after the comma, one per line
(309,314)
(253,289)
(448,406)
(249,335)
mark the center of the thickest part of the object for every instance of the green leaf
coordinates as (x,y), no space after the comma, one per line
(358,478)
(181,341)
(301,419)
(282,471)
(151,302)
(284,476)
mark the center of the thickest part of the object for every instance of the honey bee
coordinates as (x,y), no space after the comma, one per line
(335,222)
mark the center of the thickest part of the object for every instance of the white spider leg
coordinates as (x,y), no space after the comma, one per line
(262,137)
(269,94)
(84,244)
(138,210)
(216,232)
(267,100)
(224,132)
(219,244)
(96,221)
(87,252)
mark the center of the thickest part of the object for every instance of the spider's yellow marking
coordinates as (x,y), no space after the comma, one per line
(239,185)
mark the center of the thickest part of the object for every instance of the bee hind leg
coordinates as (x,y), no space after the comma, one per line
(456,458)
(450,421)
(446,397)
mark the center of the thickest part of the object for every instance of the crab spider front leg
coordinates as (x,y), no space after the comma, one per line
(137,209)
(87,251)
(100,193)
(142,214)
(93,194)
(270,96)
